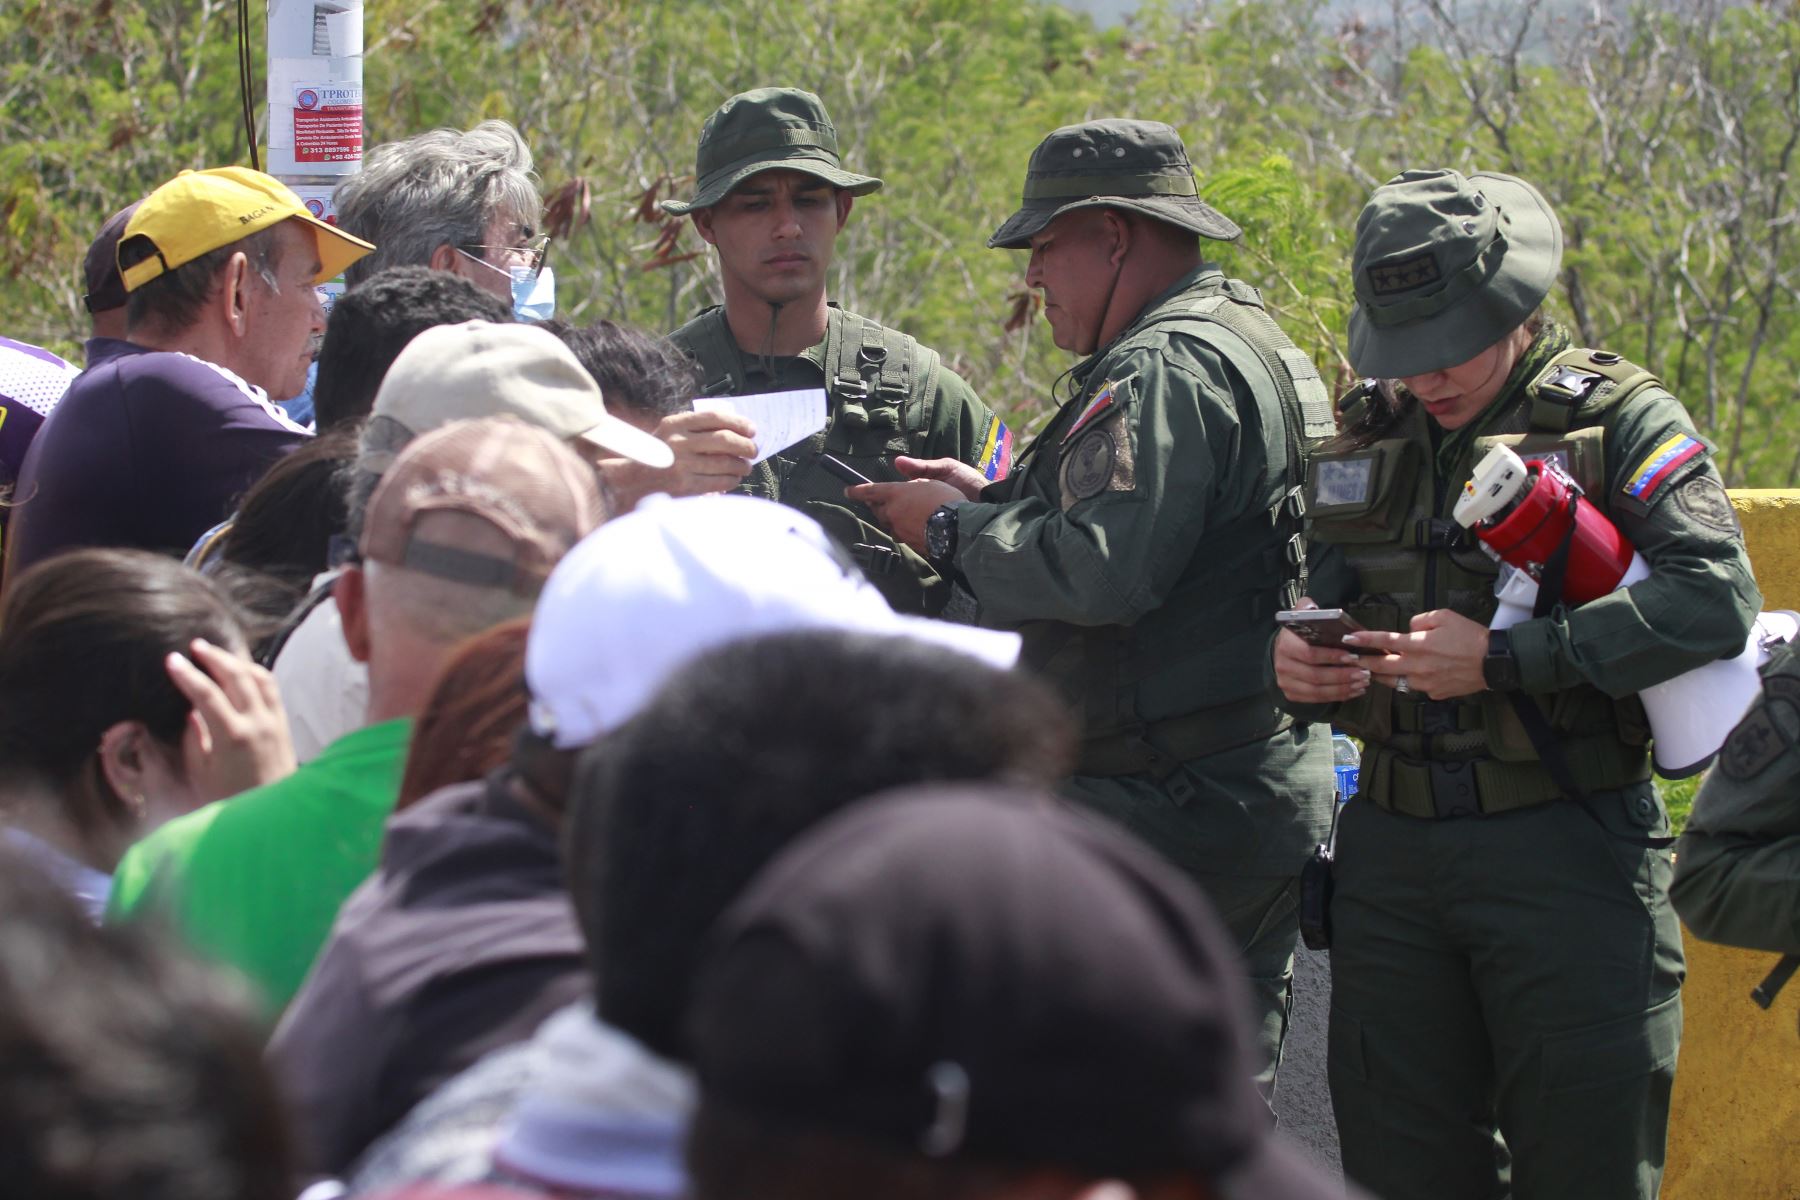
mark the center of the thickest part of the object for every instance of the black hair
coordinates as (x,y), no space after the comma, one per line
(173,300)
(373,322)
(83,638)
(285,522)
(641,374)
(132,1072)
(743,750)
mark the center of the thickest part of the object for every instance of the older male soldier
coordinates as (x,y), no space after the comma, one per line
(1152,530)
(150,447)
(772,197)
(466,202)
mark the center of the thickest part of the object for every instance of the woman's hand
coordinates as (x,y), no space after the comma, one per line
(237,736)
(1442,656)
(1309,674)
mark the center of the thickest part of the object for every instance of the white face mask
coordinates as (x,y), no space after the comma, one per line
(533,296)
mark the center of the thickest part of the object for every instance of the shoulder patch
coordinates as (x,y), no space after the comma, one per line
(1102,402)
(1703,498)
(1770,729)
(1659,467)
(995,460)
(1100,461)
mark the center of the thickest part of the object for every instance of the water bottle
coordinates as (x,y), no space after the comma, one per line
(1346,762)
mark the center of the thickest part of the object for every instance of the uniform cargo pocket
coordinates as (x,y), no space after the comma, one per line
(1344,1048)
(1613,1051)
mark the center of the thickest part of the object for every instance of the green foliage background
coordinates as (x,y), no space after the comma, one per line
(1664,136)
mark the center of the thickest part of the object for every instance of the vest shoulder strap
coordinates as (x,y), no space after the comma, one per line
(1253,342)
(1583,383)
(708,338)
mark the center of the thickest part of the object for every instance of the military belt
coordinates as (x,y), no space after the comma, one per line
(1159,747)
(1446,788)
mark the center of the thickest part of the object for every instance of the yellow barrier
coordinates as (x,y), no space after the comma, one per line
(1735,1128)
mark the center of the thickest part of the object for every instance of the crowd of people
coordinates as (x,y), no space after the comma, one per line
(438,759)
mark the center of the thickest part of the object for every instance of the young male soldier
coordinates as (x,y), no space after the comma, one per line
(1152,531)
(771,197)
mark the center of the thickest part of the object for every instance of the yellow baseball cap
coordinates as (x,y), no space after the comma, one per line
(200,211)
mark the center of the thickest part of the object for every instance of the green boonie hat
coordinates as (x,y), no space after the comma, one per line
(763,130)
(1137,165)
(1445,266)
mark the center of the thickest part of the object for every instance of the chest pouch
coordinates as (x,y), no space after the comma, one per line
(1362,496)
(1582,453)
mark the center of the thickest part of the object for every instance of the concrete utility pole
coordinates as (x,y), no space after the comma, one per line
(315,72)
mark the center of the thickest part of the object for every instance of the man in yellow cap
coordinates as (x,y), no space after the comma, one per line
(150,448)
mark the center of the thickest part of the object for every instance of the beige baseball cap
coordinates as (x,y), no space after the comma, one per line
(481,369)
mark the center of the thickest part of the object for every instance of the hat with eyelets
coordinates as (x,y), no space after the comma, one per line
(1114,163)
(764,130)
(1445,265)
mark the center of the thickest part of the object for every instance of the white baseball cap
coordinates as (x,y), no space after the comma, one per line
(646,593)
(480,369)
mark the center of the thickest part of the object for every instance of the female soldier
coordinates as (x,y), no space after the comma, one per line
(1506,967)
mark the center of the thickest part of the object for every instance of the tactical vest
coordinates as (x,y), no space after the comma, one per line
(881,387)
(1387,507)
(1210,632)
(881,391)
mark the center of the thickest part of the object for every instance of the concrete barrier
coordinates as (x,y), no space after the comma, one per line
(1735,1127)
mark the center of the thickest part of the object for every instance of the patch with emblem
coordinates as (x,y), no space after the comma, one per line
(1099,461)
(1752,746)
(1088,466)
(1403,274)
(1703,498)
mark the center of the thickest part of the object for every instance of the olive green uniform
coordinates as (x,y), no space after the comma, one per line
(1737,866)
(886,395)
(1506,966)
(1142,547)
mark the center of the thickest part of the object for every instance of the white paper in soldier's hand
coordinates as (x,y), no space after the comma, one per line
(781,418)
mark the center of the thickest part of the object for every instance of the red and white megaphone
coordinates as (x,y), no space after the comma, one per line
(1522,510)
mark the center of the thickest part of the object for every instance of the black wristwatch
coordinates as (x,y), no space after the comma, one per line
(1500,669)
(940,537)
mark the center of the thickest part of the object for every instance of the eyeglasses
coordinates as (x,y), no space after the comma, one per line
(531,255)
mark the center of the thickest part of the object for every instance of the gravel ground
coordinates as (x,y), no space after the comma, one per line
(1302,1100)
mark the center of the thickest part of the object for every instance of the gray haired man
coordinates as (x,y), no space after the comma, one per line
(463,202)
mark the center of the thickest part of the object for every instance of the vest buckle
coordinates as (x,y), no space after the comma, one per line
(1453,790)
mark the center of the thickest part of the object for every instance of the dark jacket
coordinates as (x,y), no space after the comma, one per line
(463,940)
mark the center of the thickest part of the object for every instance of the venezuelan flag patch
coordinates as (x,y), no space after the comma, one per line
(996,451)
(1662,463)
(1099,404)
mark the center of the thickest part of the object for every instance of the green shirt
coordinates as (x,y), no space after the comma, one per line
(255,881)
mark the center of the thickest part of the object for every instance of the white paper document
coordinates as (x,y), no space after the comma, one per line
(781,418)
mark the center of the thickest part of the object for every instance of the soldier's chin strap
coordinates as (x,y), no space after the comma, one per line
(768,347)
